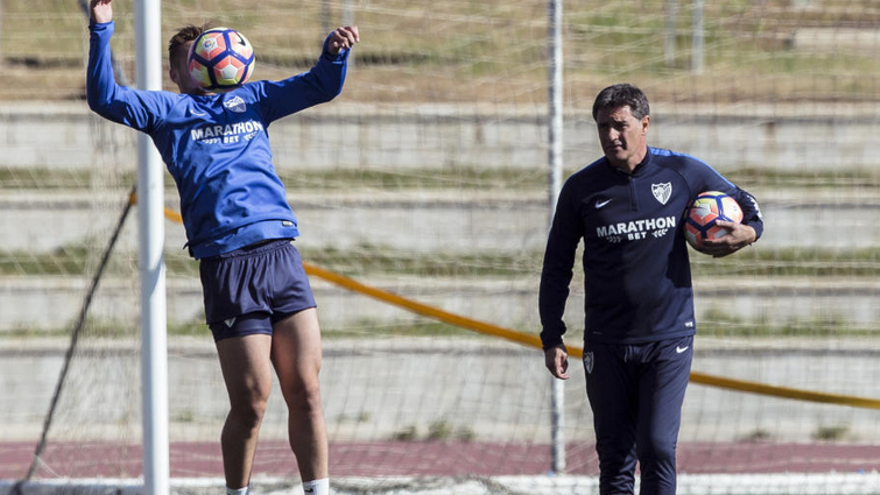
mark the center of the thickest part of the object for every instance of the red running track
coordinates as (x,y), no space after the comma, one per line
(439,458)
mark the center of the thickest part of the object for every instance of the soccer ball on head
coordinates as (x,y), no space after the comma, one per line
(702,214)
(221,59)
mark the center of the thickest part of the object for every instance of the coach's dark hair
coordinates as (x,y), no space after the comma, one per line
(183,36)
(619,95)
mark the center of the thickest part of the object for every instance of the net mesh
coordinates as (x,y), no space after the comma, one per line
(427,178)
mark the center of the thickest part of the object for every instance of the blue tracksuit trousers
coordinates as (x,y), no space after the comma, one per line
(636,393)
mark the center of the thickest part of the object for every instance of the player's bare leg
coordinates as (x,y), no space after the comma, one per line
(296,353)
(247,370)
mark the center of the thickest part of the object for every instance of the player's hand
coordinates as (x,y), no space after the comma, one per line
(343,39)
(738,236)
(556,360)
(101,11)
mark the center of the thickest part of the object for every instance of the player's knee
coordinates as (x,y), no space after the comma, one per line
(249,411)
(305,397)
(251,416)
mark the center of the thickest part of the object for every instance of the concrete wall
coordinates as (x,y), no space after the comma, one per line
(447,221)
(808,137)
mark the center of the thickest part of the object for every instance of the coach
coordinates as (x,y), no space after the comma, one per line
(629,208)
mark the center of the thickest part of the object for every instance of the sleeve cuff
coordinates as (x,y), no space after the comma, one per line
(93,25)
(340,57)
(548,341)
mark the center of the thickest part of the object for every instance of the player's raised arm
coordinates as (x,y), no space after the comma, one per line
(101,11)
(343,38)
(322,83)
(101,87)
(135,108)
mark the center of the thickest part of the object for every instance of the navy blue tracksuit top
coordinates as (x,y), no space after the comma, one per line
(638,278)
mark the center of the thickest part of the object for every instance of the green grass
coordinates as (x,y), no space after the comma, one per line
(440,430)
(371,329)
(362,330)
(864,177)
(831,433)
(713,323)
(460,177)
(43,179)
(74,260)
(91,329)
(790,262)
(717,323)
(384,260)
(463,177)
(489,51)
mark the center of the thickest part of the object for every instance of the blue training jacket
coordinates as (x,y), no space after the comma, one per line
(216,147)
(638,277)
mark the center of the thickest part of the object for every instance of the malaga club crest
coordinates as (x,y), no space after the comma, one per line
(662,191)
(236,104)
(588,362)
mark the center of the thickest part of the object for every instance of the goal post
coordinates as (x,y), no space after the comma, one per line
(151,241)
(556,146)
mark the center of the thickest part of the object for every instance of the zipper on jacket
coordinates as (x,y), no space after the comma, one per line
(633,199)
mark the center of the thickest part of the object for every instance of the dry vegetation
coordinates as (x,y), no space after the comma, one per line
(494,51)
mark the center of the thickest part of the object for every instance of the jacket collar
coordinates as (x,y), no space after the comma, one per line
(640,168)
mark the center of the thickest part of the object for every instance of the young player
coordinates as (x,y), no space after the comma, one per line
(629,209)
(258,302)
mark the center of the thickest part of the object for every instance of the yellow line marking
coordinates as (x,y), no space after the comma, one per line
(534,341)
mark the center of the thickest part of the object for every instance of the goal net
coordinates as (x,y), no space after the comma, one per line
(427,179)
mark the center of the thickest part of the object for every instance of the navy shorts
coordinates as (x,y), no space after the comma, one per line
(248,290)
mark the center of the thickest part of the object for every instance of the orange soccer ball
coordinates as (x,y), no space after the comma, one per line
(221,59)
(706,209)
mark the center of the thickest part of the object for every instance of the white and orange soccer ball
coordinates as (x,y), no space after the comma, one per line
(221,59)
(702,214)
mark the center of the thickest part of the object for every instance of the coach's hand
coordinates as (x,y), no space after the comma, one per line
(556,360)
(343,39)
(738,236)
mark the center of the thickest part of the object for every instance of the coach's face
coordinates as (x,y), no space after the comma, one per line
(623,136)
